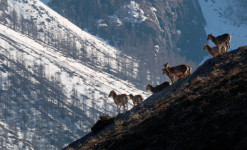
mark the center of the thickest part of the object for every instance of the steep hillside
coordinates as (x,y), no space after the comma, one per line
(153,31)
(54,77)
(207,110)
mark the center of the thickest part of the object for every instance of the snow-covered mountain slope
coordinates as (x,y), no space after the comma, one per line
(80,93)
(226,16)
(35,19)
(156,32)
(54,77)
(54,62)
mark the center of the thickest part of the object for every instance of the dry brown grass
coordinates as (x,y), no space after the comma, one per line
(199,80)
(135,116)
(156,104)
(193,97)
(164,106)
(218,73)
(234,71)
(184,91)
(147,115)
(193,111)
(118,122)
(118,125)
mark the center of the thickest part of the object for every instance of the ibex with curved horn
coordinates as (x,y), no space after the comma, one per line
(119,100)
(221,40)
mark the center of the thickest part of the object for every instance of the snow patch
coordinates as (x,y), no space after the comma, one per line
(129,13)
(218,22)
(179,32)
(157,48)
(101,23)
(153,10)
(137,15)
(114,18)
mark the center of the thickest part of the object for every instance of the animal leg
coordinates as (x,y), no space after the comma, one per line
(223,50)
(172,79)
(138,100)
(228,46)
(187,72)
(228,43)
(219,51)
(118,109)
(134,102)
(175,78)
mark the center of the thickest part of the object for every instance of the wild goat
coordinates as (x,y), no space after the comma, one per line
(214,51)
(177,72)
(221,40)
(158,88)
(137,99)
(172,77)
(119,100)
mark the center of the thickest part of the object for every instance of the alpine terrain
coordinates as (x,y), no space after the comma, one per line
(155,32)
(206,110)
(54,77)
(59,60)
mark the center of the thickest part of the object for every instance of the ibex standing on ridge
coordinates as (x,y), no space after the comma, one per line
(137,99)
(172,77)
(221,40)
(119,100)
(214,51)
(177,72)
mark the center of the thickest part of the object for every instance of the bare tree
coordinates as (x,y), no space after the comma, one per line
(34,28)
(14,19)
(74,49)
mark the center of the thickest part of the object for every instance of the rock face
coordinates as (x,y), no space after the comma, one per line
(206,110)
(155,32)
